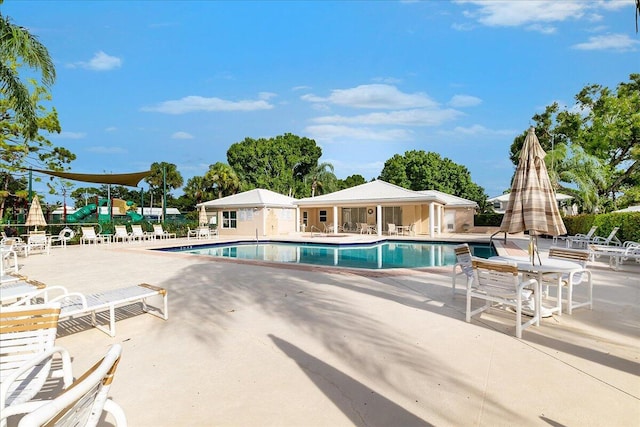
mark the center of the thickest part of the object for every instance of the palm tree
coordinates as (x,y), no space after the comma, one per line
(322,179)
(18,46)
(223,178)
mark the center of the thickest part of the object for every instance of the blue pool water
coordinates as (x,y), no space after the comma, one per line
(381,255)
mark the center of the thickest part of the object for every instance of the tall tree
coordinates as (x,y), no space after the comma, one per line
(278,164)
(321,179)
(602,132)
(159,172)
(223,179)
(198,189)
(351,181)
(18,46)
(420,170)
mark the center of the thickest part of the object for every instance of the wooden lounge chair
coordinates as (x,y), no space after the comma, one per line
(497,283)
(84,401)
(27,342)
(75,304)
(463,257)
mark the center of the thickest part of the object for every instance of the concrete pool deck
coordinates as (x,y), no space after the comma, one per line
(258,345)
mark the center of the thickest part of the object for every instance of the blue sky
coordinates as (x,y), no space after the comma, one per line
(141,82)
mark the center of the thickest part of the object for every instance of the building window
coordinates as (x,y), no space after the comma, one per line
(229,219)
(305,218)
(323,216)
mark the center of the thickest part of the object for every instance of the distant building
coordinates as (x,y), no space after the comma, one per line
(499,203)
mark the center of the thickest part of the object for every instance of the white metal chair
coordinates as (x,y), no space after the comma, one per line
(463,257)
(63,237)
(138,234)
(574,278)
(27,342)
(497,283)
(89,236)
(81,404)
(38,243)
(121,234)
(391,229)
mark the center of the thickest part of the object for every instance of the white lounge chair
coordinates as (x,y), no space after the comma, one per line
(159,233)
(138,234)
(27,342)
(89,236)
(611,239)
(497,283)
(617,255)
(121,234)
(463,257)
(581,239)
(63,237)
(84,401)
(76,304)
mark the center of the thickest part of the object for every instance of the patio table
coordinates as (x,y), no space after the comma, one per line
(402,229)
(549,266)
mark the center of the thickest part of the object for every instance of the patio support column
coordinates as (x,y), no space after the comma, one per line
(440,209)
(378,219)
(298,226)
(335,219)
(431,215)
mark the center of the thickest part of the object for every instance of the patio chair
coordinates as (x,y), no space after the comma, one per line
(463,257)
(617,255)
(27,340)
(497,283)
(159,233)
(574,278)
(191,233)
(581,239)
(76,304)
(38,243)
(121,234)
(63,237)
(610,240)
(89,236)
(391,229)
(138,234)
(84,401)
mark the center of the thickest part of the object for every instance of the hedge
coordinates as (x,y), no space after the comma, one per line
(629,223)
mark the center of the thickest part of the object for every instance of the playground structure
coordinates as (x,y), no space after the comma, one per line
(100,211)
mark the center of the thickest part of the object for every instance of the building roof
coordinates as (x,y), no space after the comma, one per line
(374,192)
(251,199)
(630,209)
(451,200)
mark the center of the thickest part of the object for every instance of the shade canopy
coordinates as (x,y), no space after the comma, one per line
(128,179)
(532,202)
(35,217)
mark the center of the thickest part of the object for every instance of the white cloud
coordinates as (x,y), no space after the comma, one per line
(373,96)
(181,135)
(296,88)
(387,80)
(266,95)
(69,135)
(111,129)
(100,149)
(414,117)
(477,130)
(518,13)
(100,62)
(458,101)
(342,133)
(190,104)
(616,42)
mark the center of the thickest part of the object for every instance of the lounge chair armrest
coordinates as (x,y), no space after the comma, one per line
(66,374)
(44,293)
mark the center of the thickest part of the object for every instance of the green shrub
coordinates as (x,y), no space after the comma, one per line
(489,219)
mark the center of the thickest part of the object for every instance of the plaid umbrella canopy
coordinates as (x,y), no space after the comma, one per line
(532,202)
(202,216)
(35,216)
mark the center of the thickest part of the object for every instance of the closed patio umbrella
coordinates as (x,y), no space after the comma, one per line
(202,216)
(35,217)
(532,202)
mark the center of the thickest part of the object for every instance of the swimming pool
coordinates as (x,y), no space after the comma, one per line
(382,255)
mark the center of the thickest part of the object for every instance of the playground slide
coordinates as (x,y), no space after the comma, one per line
(135,216)
(81,213)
